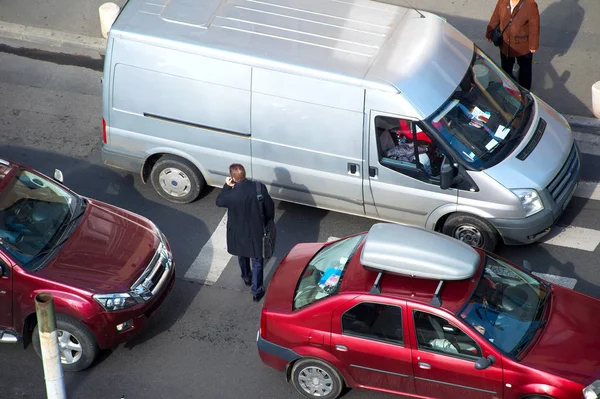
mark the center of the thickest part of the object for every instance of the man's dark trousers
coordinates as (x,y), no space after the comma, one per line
(256,274)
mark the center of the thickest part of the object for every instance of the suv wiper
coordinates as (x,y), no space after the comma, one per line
(63,237)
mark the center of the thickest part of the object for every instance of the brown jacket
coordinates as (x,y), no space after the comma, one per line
(523,34)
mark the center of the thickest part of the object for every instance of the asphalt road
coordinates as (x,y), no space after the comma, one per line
(201,343)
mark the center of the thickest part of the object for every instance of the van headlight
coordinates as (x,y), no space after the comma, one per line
(592,391)
(114,302)
(530,199)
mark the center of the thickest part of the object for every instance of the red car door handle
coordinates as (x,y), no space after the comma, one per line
(341,348)
(425,366)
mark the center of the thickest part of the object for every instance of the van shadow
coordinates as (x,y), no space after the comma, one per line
(99,182)
(297,223)
(555,42)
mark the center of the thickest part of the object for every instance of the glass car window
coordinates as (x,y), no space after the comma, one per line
(506,305)
(402,144)
(485,113)
(323,274)
(32,211)
(374,321)
(438,335)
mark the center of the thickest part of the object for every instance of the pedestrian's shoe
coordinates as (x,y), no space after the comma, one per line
(258,297)
(248,283)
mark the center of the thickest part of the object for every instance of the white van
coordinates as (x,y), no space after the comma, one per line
(358,107)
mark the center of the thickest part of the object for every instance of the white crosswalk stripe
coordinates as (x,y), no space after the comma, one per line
(558,280)
(213,257)
(589,143)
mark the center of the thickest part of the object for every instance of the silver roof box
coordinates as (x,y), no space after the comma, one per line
(415,252)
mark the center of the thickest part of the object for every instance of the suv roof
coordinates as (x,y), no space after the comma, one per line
(363,43)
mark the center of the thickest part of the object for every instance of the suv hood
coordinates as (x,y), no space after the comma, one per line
(546,159)
(107,252)
(569,346)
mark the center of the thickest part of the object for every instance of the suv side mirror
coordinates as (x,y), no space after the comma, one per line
(527,265)
(447,173)
(58,175)
(485,362)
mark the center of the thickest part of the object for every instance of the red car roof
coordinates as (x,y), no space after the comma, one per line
(453,294)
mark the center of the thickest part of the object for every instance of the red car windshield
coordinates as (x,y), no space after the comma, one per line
(506,306)
(32,211)
(323,274)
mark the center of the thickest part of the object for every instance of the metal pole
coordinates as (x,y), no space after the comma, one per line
(53,372)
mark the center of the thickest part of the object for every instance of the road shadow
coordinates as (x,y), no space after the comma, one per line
(554,42)
(181,227)
(297,223)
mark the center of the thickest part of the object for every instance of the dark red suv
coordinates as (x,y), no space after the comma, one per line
(415,313)
(108,269)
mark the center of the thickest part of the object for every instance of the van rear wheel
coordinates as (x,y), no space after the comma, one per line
(471,230)
(176,179)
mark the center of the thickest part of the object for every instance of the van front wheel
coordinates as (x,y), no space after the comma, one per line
(471,230)
(176,180)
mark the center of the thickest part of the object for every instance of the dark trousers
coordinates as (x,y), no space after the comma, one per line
(525,66)
(255,274)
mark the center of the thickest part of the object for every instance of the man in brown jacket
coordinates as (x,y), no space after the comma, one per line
(521,36)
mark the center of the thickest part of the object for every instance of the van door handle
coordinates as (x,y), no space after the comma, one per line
(425,366)
(353,169)
(372,171)
(341,348)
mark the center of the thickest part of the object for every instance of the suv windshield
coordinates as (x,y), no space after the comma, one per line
(324,273)
(33,214)
(485,113)
(507,306)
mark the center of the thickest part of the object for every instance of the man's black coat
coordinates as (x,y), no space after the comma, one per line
(244,226)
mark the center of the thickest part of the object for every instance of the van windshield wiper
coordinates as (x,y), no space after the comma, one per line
(522,108)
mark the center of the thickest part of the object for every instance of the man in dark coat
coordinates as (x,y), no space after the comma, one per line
(245,226)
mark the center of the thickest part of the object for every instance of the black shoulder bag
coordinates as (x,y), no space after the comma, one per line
(497,33)
(269,230)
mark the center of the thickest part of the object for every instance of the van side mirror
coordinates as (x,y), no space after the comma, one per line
(485,362)
(58,175)
(527,265)
(447,174)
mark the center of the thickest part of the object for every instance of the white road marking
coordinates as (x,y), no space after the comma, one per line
(567,282)
(573,237)
(213,257)
(588,190)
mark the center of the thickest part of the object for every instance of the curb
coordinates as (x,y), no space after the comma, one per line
(50,37)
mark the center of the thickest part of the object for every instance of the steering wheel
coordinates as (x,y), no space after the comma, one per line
(454,343)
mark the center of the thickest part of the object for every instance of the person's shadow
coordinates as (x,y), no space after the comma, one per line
(297,223)
(560,23)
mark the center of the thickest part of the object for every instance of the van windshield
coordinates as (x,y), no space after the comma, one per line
(486,113)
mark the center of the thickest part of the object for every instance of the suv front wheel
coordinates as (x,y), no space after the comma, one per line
(76,344)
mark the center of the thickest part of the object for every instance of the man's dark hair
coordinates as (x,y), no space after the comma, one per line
(237,171)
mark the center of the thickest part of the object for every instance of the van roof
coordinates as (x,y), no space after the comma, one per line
(364,43)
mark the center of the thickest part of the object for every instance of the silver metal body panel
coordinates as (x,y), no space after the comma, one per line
(290,88)
(407,250)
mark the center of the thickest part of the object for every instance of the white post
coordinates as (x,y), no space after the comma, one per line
(596,99)
(53,372)
(108,13)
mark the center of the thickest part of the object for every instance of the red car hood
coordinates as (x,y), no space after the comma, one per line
(569,346)
(107,252)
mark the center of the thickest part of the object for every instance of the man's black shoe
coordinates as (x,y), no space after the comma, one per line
(257,298)
(248,283)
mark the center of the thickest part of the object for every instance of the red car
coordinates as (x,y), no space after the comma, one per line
(415,313)
(107,269)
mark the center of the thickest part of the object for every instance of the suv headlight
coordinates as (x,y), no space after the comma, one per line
(592,391)
(114,302)
(530,199)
